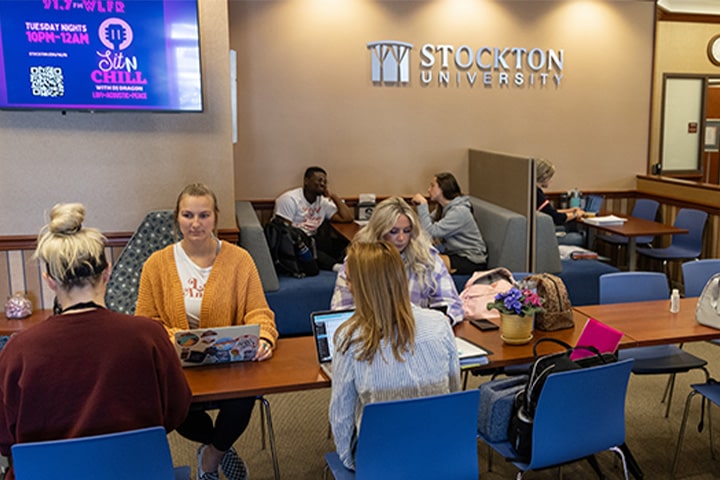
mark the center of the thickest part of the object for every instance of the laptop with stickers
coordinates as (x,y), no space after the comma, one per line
(324,324)
(206,346)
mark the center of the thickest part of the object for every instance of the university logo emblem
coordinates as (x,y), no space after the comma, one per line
(390,61)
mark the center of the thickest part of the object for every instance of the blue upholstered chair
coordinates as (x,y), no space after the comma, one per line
(696,273)
(625,287)
(155,232)
(579,413)
(420,438)
(683,246)
(142,454)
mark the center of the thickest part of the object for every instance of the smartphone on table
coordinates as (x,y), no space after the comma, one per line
(484,325)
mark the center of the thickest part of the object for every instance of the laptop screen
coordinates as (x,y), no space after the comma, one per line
(324,325)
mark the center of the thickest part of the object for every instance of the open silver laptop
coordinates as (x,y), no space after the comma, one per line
(324,324)
(203,346)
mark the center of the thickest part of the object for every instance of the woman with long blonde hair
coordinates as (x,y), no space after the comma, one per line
(389,349)
(429,282)
(202,282)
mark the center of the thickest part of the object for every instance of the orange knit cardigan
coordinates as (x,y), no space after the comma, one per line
(233,293)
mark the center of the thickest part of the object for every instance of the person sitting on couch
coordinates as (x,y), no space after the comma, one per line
(429,281)
(308,207)
(464,250)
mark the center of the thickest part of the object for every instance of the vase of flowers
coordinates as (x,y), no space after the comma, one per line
(517,309)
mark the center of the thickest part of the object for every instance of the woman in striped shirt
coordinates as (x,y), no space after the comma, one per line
(389,349)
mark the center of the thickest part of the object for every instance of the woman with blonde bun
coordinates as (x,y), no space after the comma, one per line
(86,370)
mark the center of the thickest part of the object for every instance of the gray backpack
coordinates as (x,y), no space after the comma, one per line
(707,311)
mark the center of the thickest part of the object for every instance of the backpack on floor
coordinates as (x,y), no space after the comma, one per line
(557,311)
(291,249)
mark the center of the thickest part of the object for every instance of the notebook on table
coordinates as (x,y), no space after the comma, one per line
(324,323)
(596,334)
(204,346)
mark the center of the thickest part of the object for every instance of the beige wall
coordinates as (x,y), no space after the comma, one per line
(681,47)
(121,164)
(305,95)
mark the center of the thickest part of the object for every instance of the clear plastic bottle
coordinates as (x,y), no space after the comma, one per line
(675,301)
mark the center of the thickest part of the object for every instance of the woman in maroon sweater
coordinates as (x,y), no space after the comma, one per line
(86,370)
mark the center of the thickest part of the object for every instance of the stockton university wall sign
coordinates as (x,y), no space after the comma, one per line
(465,66)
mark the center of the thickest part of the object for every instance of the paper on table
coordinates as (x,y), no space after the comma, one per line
(605,220)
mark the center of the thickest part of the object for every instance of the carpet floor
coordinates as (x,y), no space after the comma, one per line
(301,432)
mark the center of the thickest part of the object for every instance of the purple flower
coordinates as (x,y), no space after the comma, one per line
(517,302)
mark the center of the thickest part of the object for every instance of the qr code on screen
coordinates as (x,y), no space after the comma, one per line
(47,81)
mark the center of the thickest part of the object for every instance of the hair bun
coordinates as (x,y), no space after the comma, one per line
(66,218)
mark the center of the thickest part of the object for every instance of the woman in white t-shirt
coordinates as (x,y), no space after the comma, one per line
(202,282)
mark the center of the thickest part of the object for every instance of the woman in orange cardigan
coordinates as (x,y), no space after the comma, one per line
(202,282)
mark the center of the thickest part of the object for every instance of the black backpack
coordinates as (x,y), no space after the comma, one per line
(292,250)
(521,422)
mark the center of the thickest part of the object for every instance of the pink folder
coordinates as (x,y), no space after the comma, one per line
(596,334)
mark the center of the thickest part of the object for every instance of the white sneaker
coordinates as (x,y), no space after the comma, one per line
(204,475)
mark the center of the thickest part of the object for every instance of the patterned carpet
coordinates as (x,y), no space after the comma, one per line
(301,431)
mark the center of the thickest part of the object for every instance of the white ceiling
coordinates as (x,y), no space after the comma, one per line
(706,7)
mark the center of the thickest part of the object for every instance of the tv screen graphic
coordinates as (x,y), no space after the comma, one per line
(100,55)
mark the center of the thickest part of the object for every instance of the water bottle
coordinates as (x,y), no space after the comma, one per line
(675,301)
(574,195)
(304,253)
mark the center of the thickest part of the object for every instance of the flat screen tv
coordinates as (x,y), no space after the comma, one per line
(100,55)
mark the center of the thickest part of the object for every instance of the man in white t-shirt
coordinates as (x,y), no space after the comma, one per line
(308,207)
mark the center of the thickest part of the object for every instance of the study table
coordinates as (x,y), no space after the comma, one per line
(347,230)
(651,323)
(634,227)
(9,326)
(503,355)
(294,365)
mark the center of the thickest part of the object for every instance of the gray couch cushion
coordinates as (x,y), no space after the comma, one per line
(547,258)
(252,239)
(504,232)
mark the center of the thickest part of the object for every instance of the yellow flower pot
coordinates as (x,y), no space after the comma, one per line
(516,330)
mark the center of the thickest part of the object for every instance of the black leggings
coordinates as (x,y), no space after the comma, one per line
(232,420)
(462,265)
